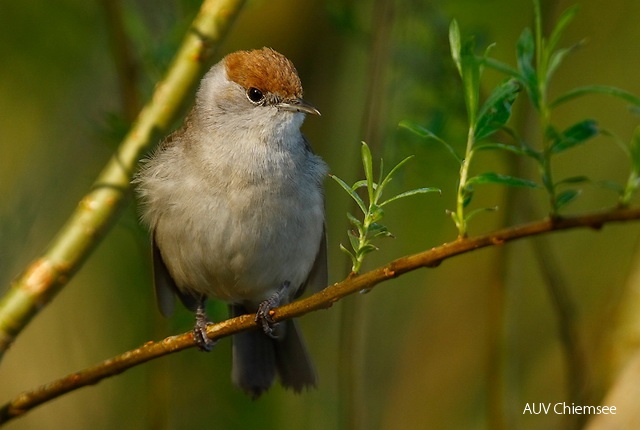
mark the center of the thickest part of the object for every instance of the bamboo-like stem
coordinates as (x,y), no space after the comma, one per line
(98,209)
(321,300)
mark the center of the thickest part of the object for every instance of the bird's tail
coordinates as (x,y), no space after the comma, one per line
(257,358)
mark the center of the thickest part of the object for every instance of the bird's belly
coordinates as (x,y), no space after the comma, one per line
(241,249)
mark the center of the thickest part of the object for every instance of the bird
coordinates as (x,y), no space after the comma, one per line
(234,202)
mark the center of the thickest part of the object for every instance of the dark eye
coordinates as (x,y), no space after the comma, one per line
(255,95)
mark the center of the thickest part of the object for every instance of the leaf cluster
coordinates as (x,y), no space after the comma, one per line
(537,58)
(364,231)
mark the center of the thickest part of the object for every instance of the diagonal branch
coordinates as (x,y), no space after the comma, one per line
(95,213)
(321,300)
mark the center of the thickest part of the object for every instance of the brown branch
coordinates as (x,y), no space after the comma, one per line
(321,300)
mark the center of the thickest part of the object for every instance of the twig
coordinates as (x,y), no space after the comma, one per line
(321,300)
(95,213)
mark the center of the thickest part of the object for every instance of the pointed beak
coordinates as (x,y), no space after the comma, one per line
(298,105)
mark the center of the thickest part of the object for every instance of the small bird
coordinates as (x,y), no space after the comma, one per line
(234,202)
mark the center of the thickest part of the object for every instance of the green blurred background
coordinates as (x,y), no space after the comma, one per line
(462,346)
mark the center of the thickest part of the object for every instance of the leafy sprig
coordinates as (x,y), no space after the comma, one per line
(483,123)
(369,228)
(538,58)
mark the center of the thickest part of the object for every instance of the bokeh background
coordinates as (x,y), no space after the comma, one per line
(463,346)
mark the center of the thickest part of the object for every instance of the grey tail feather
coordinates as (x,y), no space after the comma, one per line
(257,359)
(294,364)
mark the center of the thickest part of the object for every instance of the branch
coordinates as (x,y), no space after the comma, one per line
(321,300)
(97,210)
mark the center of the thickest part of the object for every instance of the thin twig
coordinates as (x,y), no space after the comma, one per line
(321,300)
(42,280)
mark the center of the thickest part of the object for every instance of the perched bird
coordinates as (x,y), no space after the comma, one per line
(235,204)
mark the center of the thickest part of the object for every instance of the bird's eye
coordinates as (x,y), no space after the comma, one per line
(255,95)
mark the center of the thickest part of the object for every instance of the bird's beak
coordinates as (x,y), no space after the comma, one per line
(298,105)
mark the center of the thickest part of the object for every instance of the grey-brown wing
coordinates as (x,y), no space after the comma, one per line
(318,277)
(165,287)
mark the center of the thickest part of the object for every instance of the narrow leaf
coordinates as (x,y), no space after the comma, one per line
(366,249)
(425,133)
(471,79)
(525,50)
(562,23)
(345,250)
(557,57)
(359,184)
(634,150)
(566,197)
(496,111)
(455,44)
(612,185)
(354,240)
(478,211)
(411,193)
(596,89)
(510,148)
(575,135)
(501,67)
(391,174)
(573,180)
(497,178)
(355,221)
(377,230)
(367,163)
(351,192)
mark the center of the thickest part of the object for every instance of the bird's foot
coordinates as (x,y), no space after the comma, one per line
(200,330)
(264,315)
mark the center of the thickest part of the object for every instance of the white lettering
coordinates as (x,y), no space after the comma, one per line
(537,408)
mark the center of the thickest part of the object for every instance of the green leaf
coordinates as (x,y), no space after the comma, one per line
(377,230)
(504,147)
(468,66)
(496,111)
(525,50)
(501,67)
(497,178)
(573,180)
(634,150)
(425,133)
(354,240)
(389,176)
(366,249)
(467,195)
(351,192)
(478,211)
(456,45)
(557,57)
(411,193)
(375,213)
(355,221)
(349,253)
(471,80)
(359,184)
(575,135)
(566,197)
(367,163)
(612,185)
(596,89)
(562,23)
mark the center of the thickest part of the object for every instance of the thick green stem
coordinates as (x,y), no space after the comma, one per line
(95,213)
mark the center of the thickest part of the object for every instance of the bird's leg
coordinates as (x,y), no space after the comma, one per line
(200,329)
(264,317)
